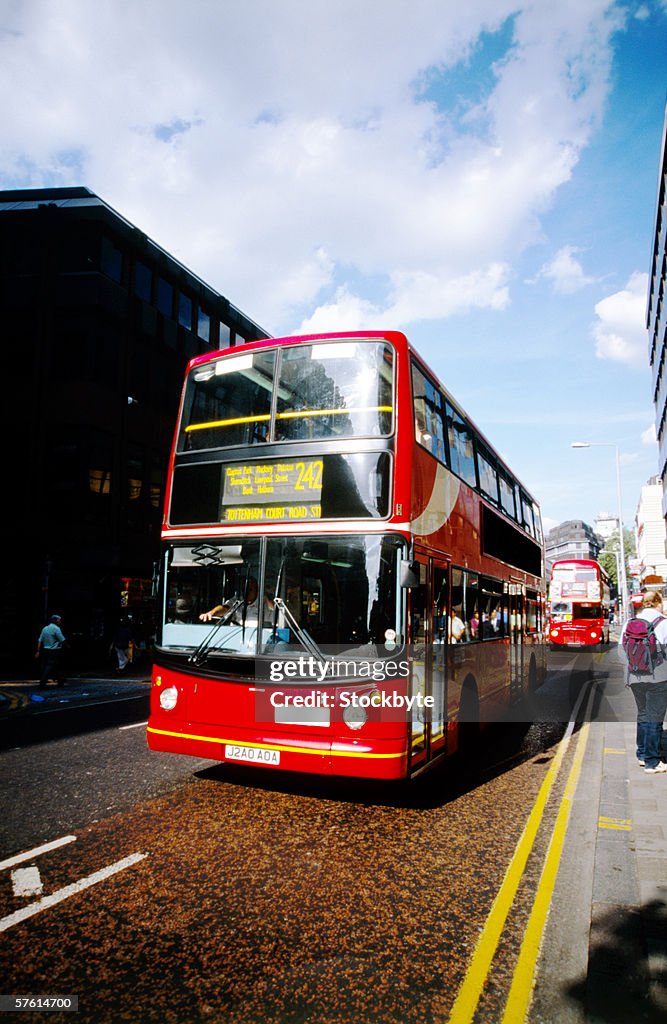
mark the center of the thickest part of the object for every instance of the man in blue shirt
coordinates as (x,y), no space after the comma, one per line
(49,648)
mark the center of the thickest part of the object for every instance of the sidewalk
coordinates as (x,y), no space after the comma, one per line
(604,955)
(89,700)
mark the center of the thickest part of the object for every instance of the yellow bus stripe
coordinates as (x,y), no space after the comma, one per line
(298,414)
(228,423)
(276,746)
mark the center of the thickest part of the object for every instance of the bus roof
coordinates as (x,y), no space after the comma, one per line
(397,338)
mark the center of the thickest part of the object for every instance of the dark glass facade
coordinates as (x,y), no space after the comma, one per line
(98,325)
(657,317)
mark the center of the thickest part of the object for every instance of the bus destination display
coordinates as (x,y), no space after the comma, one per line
(256,492)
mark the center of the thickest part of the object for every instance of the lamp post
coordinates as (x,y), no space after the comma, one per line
(622,580)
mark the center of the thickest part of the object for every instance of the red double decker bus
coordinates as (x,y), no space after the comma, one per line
(579,604)
(351,578)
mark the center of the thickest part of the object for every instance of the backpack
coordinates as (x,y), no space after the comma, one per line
(642,650)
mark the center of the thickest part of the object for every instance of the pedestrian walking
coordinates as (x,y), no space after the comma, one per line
(644,642)
(50,646)
(121,645)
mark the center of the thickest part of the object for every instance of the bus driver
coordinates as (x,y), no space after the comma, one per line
(246,610)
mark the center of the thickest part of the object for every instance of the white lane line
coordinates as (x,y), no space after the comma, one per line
(69,890)
(135,725)
(36,852)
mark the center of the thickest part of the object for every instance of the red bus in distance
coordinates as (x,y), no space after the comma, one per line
(352,580)
(579,604)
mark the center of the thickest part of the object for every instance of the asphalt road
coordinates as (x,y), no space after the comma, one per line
(191,892)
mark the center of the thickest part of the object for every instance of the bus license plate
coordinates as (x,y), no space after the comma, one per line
(252,755)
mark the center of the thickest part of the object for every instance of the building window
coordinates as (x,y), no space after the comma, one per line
(97,449)
(135,480)
(143,280)
(157,486)
(185,311)
(112,260)
(225,335)
(203,325)
(165,297)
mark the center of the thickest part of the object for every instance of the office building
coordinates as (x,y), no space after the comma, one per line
(572,539)
(99,323)
(650,534)
(656,318)
(606,525)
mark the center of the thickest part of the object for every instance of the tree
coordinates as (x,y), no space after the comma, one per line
(607,557)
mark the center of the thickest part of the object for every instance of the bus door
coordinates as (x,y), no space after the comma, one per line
(429,604)
(516,599)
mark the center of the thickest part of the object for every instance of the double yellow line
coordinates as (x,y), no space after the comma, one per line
(518,1000)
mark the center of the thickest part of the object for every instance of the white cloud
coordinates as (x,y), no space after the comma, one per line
(414,296)
(549,524)
(346,312)
(565,272)
(649,436)
(620,329)
(306,158)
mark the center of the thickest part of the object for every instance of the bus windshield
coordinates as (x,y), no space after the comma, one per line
(334,389)
(572,574)
(566,611)
(280,595)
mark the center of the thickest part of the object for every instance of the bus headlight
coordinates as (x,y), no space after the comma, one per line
(354,716)
(168,698)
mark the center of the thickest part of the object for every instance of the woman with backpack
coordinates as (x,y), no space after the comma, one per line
(644,641)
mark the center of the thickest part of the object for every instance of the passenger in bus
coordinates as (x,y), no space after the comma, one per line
(247,611)
(457,629)
(488,629)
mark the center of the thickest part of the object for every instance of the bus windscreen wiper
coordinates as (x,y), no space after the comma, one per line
(304,637)
(198,657)
(276,598)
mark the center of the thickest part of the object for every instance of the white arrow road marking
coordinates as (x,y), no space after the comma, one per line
(69,890)
(26,882)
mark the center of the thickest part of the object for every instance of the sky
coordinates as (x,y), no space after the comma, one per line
(481,176)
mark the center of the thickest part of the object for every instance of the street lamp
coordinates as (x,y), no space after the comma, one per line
(622,577)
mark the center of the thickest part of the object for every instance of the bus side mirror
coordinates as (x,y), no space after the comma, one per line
(409,575)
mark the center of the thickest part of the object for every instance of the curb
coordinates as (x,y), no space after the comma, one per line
(28,715)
